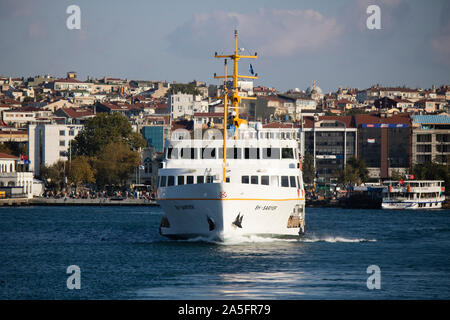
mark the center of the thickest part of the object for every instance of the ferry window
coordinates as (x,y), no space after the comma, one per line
(232,153)
(208,153)
(200,179)
(209,179)
(245,179)
(189,179)
(287,153)
(254,179)
(172,153)
(170,181)
(274,181)
(227,179)
(251,153)
(271,153)
(284,181)
(189,153)
(163,181)
(180,180)
(265,180)
(292,182)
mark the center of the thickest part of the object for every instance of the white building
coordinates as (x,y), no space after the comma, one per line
(181,104)
(10,177)
(48,143)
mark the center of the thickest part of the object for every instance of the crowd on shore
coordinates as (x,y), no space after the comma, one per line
(90,194)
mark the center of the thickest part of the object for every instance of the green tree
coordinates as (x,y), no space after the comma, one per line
(102,130)
(187,88)
(432,171)
(14,148)
(309,171)
(396,175)
(360,168)
(81,171)
(115,164)
(54,175)
(348,175)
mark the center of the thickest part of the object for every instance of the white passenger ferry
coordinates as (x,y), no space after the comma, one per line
(249,182)
(413,194)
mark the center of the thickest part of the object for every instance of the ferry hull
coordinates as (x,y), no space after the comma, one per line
(401,205)
(220,211)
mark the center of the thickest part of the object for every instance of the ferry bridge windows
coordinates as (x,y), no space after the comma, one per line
(200,179)
(189,153)
(287,153)
(254,179)
(285,181)
(292,182)
(190,180)
(163,181)
(251,153)
(180,180)
(271,153)
(265,180)
(208,153)
(232,153)
(245,180)
(209,179)
(170,181)
(172,153)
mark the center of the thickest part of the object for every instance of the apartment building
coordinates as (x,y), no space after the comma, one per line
(49,143)
(430,139)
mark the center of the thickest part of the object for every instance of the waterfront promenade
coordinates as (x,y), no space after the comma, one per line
(77,202)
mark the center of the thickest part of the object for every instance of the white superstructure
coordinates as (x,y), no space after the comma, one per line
(413,194)
(262,193)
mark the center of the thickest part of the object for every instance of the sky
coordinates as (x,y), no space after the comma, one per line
(175,40)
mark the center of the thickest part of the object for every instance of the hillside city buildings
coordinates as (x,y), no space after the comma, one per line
(390,128)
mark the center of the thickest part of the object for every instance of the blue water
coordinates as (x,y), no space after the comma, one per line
(122,256)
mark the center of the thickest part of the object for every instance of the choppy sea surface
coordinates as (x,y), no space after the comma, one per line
(121,256)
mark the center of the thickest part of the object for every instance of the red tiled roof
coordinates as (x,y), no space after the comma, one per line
(25,109)
(7,156)
(208,114)
(280,125)
(365,118)
(345,119)
(77,113)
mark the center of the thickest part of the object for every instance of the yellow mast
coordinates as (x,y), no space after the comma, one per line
(225,116)
(235,97)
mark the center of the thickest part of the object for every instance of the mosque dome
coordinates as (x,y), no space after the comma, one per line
(313,89)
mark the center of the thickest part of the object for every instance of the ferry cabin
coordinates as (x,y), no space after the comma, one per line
(415,194)
(257,190)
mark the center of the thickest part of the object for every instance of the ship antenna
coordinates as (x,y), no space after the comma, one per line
(225,117)
(235,90)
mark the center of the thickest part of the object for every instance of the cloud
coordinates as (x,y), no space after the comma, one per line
(270,32)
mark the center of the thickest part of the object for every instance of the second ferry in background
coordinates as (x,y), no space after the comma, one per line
(413,194)
(249,182)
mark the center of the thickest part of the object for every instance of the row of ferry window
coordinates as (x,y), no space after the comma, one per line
(284,181)
(232,153)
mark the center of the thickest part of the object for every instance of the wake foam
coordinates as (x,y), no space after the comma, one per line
(246,239)
(336,239)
